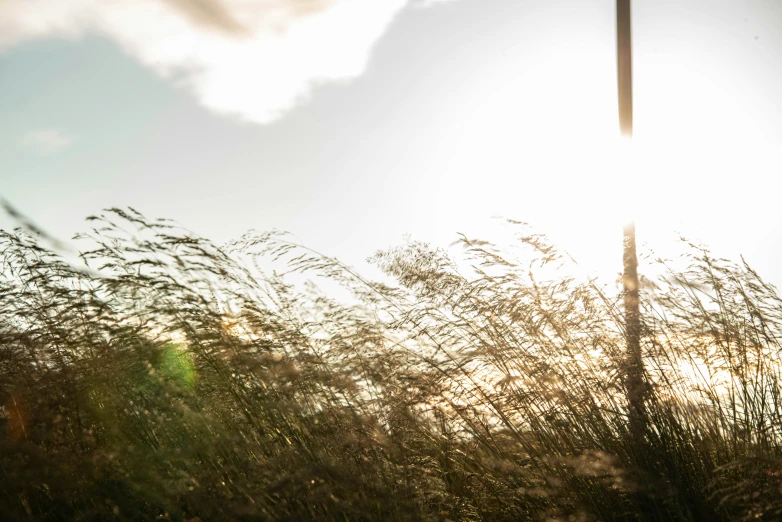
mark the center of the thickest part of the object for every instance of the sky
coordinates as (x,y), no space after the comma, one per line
(356,124)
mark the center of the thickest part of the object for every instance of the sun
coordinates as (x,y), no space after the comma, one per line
(538,140)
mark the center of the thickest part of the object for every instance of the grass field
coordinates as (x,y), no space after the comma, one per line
(164,378)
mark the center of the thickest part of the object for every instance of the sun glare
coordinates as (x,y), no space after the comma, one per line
(539,141)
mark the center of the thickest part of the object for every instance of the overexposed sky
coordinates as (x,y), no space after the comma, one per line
(352,123)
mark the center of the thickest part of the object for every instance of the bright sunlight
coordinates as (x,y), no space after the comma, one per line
(286,299)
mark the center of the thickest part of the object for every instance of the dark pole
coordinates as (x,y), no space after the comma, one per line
(624,40)
(634,376)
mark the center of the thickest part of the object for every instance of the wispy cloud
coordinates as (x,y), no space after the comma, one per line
(250,58)
(47,141)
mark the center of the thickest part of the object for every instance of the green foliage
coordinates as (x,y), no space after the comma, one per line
(164,378)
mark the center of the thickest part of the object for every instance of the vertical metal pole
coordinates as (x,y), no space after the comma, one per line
(624,38)
(634,376)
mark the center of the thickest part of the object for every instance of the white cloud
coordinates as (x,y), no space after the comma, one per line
(254,59)
(47,141)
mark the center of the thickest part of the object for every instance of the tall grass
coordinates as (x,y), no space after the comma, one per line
(164,378)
